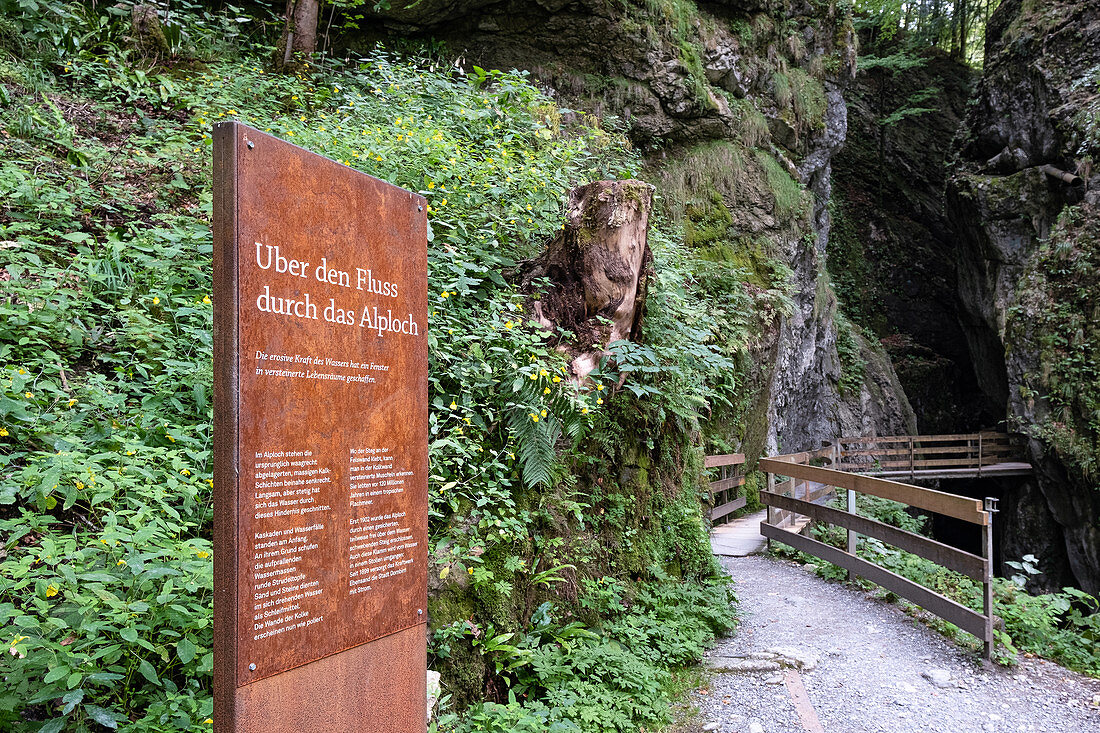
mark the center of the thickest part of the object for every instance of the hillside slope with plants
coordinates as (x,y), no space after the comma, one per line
(571,574)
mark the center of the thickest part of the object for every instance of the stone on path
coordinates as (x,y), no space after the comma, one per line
(938,677)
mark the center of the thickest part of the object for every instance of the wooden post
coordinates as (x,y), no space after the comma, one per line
(912,461)
(987,583)
(771,489)
(979,454)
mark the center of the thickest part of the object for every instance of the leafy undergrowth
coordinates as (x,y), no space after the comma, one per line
(105,367)
(1063,627)
(615,676)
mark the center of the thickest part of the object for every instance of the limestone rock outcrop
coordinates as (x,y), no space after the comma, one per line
(1036,105)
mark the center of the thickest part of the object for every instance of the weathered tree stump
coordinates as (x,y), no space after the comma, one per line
(591,279)
(147,34)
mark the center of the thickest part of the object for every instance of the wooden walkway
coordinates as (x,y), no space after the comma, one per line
(990,470)
(897,457)
(914,457)
(739,538)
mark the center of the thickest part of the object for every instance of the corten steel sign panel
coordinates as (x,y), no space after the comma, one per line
(320,428)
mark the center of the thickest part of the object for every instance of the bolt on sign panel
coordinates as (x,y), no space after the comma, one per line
(321,399)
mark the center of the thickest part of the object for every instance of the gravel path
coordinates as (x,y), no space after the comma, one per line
(869,668)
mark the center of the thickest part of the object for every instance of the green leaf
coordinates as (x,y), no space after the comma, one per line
(130,634)
(71,700)
(185,649)
(148,672)
(54,726)
(56,673)
(104,717)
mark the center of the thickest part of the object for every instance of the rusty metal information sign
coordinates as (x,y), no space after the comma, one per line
(325,378)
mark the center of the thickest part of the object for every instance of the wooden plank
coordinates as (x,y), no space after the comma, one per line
(951,505)
(727,483)
(802,457)
(930,463)
(875,452)
(729,508)
(945,608)
(969,565)
(801,699)
(931,450)
(924,438)
(996,469)
(733,459)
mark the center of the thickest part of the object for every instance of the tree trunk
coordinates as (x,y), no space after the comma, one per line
(299,39)
(147,34)
(596,267)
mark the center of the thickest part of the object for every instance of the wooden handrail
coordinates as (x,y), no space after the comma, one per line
(908,454)
(723,490)
(913,454)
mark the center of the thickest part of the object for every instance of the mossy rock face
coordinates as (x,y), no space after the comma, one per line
(666,67)
(708,221)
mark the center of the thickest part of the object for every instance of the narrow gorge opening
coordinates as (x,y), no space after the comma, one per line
(936,236)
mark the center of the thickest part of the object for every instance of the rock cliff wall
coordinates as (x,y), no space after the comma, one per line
(739,107)
(1028,262)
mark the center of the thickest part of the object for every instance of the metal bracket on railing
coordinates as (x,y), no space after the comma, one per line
(990,504)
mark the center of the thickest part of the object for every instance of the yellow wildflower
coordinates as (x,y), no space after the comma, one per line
(72,402)
(51,590)
(206,299)
(3,432)
(156,301)
(546,391)
(203,554)
(120,563)
(29,395)
(453,404)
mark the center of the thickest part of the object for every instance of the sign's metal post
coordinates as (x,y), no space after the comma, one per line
(987,582)
(320,443)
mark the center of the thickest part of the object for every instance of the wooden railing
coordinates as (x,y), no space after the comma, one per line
(781,498)
(725,497)
(796,488)
(897,455)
